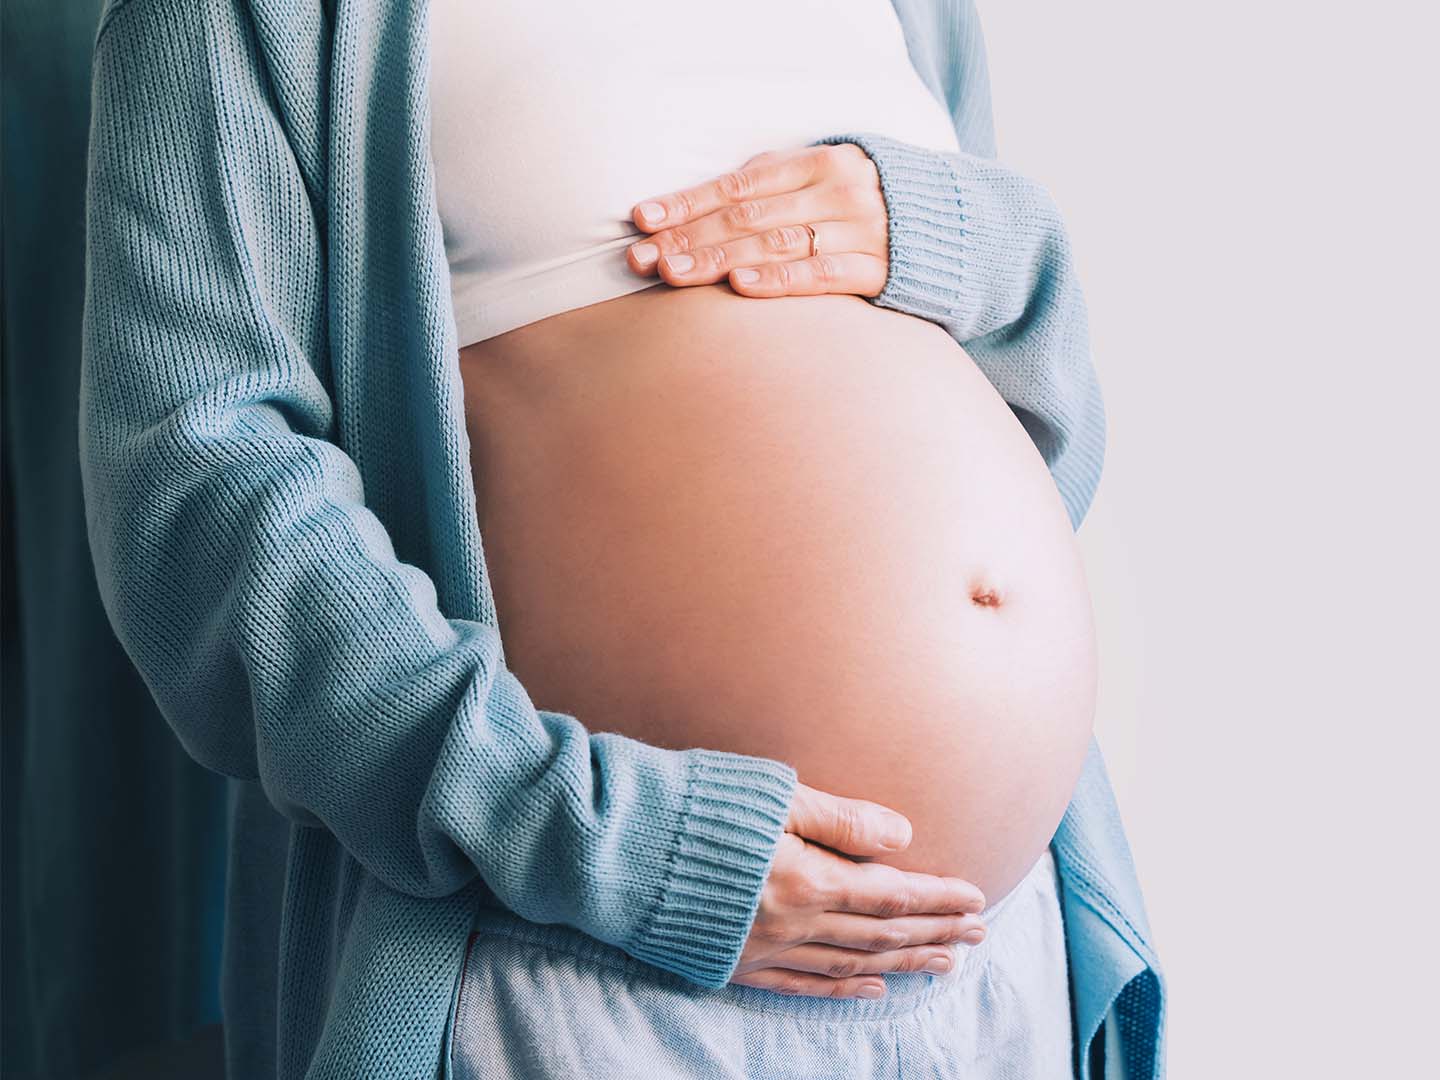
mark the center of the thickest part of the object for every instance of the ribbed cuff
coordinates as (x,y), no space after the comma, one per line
(736,807)
(976,248)
(941,248)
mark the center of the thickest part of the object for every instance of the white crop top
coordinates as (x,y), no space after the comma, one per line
(549,122)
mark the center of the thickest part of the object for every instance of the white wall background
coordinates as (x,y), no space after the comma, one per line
(1251,188)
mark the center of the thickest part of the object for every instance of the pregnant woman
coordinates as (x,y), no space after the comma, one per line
(384,358)
(825,538)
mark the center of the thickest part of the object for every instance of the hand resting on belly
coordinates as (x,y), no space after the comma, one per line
(803,527)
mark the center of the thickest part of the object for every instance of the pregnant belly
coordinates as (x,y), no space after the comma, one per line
(806,528)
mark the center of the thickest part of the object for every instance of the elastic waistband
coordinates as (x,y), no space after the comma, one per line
(904,991)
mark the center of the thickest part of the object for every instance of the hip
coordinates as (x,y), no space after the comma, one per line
(541,1002)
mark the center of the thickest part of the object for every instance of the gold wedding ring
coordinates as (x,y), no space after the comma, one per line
(814,246)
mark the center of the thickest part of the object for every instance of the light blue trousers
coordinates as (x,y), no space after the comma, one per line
(548,1002)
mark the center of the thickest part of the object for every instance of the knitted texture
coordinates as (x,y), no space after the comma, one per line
(982,251)
(281,512)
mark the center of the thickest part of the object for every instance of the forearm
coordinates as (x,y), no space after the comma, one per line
(261,597)
(982,251)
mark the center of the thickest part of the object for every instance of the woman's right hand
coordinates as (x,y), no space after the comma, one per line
(828,925)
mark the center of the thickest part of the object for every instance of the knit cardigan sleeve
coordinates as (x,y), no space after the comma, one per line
(262,600)
(982,251)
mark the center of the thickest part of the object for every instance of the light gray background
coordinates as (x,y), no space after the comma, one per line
(1251,192)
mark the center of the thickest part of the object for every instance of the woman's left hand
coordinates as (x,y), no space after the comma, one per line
(749,226)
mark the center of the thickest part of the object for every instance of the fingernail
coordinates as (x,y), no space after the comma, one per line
(938,966)
(679,264)
(974,937)
(652,211)
(645,254)
(747,277)
(872,990)
(896,835)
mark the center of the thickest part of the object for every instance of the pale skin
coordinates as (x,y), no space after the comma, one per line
(746,226)
(828,922)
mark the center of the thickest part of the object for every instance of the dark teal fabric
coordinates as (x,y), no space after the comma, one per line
(114,840)
(109,930)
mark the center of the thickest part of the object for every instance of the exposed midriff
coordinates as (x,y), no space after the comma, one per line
(806,528)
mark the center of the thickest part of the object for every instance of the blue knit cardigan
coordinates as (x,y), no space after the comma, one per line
(281,512)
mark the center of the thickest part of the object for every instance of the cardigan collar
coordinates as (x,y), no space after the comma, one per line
(367,61)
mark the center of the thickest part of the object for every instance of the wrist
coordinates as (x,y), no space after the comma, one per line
(926,226)
(736,807)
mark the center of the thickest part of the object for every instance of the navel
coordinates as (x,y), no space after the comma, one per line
(985,594)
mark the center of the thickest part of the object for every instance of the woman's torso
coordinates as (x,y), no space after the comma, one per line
(806,527)
(550,122)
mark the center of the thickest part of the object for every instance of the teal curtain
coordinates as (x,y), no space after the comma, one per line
(113,839)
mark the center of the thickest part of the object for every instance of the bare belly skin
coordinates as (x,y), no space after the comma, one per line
(806,528)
